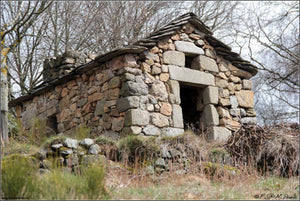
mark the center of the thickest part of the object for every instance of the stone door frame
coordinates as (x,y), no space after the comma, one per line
(206,81)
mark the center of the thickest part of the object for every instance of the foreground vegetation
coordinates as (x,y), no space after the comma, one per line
(209,174)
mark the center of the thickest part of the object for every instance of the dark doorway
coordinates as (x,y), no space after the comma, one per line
(51,124)
(191,98)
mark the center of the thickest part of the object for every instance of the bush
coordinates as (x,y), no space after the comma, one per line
(134,149)
(82,132)
(109,147)
(17,177)
(94,176)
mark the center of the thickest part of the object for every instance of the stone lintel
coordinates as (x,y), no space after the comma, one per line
(190,76)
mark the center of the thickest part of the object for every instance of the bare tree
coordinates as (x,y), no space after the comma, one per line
(16,19)
(271,41)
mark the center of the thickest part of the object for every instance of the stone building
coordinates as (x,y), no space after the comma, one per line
(179,75)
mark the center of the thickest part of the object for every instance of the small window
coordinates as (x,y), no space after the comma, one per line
(188,61)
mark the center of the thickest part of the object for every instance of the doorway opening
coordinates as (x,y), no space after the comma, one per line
(52,125)
(192,107)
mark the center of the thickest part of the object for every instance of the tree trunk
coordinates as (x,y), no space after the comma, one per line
(4,104)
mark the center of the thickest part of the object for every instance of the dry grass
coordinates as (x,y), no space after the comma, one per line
(198,186)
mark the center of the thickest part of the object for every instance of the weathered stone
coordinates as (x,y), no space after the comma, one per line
(117,124)
(86,142)
(136,117)
(56,146)
(234,79)
(114,82)
(94,149)
(159,120)
(210,95)
(172,132)
(164,68)
(95,97)
(235,112)
(210,53)
(99,110)
(28,117)
(135,130)
(151,130)
(223,67)
(251,112)
(231,87)
(82,102)
(224,102)
(166,109)
(107,75)
(65,151)
(249,120)
(174,58)
(110,103)
(218,134)
(71,143)
(174,153)
(113,94)
(188,48)
(223,112)
(234,102)
(177,116)
(164,77)
(130,102)
(223,93)
(200,42)
(158,89)
(130,88)
(245,98)
(150,107)
(185,37)
(164,44)
(151,99)
(152,56)
(175,90)
(221,83)
(72,160)
(243,112)
(210,116)
(230,124)
(193,77)
(247,84)
(238,72)
(160,162)
(134,71)
(202,62)
(238,87)
(222,75)
(155,70)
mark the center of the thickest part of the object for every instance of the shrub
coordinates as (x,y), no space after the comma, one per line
(134,149)
(17,177)
(94,176)
(109,147)
(82,132)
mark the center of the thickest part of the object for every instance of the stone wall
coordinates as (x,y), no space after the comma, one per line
(56,67)
(140,93)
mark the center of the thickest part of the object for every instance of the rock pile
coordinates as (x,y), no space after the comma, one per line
(56,67)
